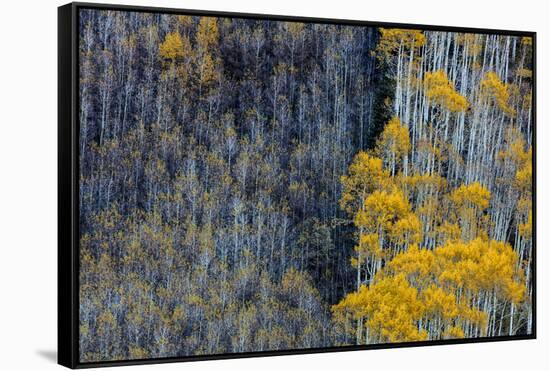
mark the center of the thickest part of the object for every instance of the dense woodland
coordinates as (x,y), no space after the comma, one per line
(251,185)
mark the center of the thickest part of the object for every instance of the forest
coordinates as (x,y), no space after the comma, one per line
(254,185)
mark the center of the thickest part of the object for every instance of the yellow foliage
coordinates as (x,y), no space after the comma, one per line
(106,320)
(525,73)
(382,209)
(185,20)
(416,264)
(493,88)
(391,39)
(441,91)
(390,306)
(452,287)
(295,28)
(441,303)
(472,41)
(526,229)
(453,332)
(521,159)
(369,244)
(449,231)
(424,181)
(137,352)
(524,174)
(472,195)
(480,265)
(207,69)
(421,284)
(207,33)
(365,174)
(178,313)
(526,40)
(516,149)
(172,46)
(394,139)
(407,230)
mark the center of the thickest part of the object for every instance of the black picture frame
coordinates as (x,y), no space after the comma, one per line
(68,183)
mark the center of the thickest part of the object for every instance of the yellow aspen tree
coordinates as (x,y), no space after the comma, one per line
(493,89)
(207,38)
(390,307)
(207,33)
(469,202)
(524,217)
(185,20)
(391,39)
(393,144)
(172,47)
(386,225)
(441,91)
(365,175)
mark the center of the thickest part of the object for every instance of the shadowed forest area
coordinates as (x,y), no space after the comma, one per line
(252,185)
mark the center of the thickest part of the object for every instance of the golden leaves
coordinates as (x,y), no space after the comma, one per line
(527,40)
(413,285)
(407,230)
(392,39)
(185,20)
(526,229)
(381,208)
(172,46)
(441,91)
(524,173)
(439,302)
(415,263)
(365,174)
(453,332)
(294,28)
(207,33)
(472,43)
(390,307)
(394,139)
(421,284)
(207,70)
(472,195)
(492,88)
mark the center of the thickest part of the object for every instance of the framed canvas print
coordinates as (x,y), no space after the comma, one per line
(235,185)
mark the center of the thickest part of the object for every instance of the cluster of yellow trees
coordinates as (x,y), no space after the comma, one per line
(407,291)
(442,205)
(181,58)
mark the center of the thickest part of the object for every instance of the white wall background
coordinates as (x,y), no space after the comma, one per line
(28,182)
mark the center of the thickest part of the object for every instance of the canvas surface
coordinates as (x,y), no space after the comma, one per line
(252,185)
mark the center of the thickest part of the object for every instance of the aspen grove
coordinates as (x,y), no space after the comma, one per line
(252,185)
